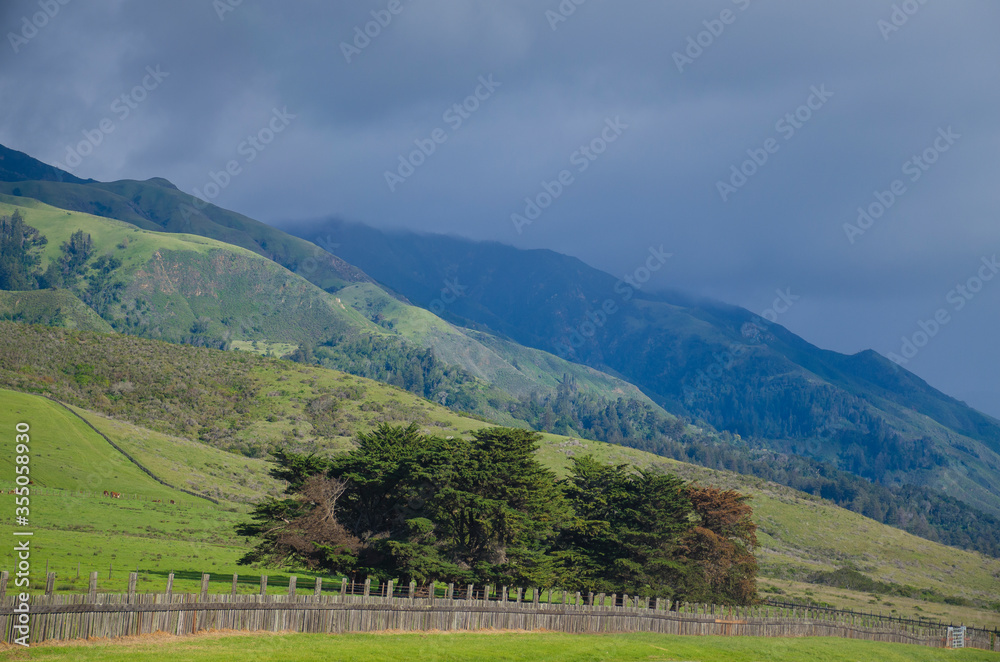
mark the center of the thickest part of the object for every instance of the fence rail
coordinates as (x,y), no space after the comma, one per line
(369,606)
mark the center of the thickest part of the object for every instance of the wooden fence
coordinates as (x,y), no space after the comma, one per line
(372,607)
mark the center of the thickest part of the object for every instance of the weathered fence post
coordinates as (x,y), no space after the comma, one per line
(590,598)
(535,597)
(579,600)
(614,600)
(368,586)
(343,587)
(236,578)
(204,586)
(170,584)
(657,607)
(50,581)
(468,592)
(504,594)
(318,591)
(3,583)
(132,578)
(413,590)
(291,585)
(92,588)
(646,603)
(451,591)
(519,592)
(263,584)
(388,589)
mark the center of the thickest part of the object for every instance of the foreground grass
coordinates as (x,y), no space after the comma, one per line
(485,646)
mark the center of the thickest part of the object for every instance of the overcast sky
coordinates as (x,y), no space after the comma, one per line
(672,95)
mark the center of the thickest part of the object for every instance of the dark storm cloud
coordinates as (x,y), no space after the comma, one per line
(892,90)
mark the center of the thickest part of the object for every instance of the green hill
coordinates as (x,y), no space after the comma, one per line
(185,287)
(51,308)
(156,204)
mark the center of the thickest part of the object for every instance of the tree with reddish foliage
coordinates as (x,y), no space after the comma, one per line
(722,544)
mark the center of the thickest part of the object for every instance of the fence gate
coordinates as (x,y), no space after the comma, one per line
(956,637)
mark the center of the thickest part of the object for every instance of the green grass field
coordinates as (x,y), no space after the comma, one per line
(441,647)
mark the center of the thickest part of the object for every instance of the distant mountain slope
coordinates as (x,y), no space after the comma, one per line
(516,369)
(717,362)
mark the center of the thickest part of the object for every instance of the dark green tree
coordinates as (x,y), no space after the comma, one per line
(19,245)
(629,530)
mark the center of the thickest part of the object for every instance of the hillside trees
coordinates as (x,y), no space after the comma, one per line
(19,246)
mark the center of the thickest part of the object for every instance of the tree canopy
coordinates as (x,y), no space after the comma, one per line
(410,506)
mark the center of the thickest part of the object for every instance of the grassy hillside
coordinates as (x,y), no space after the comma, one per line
(156,204)
(185,287)
(235,401)
(51,308)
